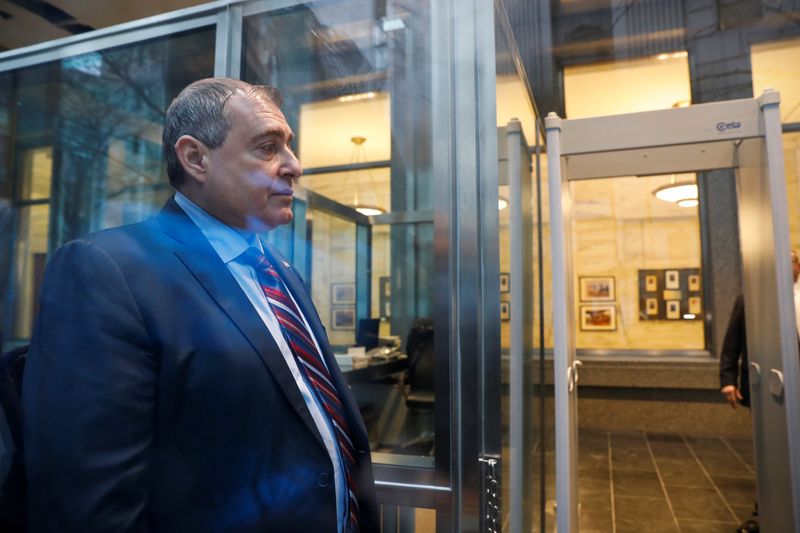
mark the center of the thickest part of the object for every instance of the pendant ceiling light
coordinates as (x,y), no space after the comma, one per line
(360,155)
(683,193)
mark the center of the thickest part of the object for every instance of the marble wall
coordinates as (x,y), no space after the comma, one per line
(618,228)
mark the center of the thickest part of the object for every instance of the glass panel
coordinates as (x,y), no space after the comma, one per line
(637,265)
(100,115)
(37,173)
(791,158)
(545,460)
(356,80)
(381,290)
(362,189)
(522,462)
(623,236)
(396,518)
(31,256)
(777,66)
(85,135)
(333,276)
(657,82)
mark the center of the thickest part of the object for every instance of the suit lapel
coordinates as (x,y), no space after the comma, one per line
(203,262)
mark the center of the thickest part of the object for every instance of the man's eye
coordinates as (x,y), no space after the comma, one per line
(267,149)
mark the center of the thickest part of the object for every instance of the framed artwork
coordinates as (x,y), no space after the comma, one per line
(673,309)
(695,307)
(385,296)
(652,306)
(343,293)
(505,310)
(505,282)
(670,294)
(672,279)
(343,318)
(597,289)
(598,317)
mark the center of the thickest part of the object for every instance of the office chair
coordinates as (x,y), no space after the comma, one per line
(419,393)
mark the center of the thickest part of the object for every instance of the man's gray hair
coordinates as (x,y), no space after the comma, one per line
(199,111)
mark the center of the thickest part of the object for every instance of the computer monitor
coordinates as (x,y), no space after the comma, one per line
(367,332)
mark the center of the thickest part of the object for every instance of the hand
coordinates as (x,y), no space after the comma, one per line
(731,394)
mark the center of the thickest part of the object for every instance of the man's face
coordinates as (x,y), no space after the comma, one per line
(249,178)
(795,266)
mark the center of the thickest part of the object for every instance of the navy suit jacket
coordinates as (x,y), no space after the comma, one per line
(156,400)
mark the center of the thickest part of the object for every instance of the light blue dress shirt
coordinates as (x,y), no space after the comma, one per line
(230,243)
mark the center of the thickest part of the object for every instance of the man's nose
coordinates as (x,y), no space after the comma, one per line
(290,166)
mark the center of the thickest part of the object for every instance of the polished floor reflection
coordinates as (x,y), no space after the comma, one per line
(633,482)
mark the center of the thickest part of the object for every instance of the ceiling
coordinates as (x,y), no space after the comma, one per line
(28,22)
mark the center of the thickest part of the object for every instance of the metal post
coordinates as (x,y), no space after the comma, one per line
(566,477)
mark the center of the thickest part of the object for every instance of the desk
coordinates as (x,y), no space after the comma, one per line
(375,370)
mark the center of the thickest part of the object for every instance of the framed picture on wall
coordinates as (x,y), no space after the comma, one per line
(652,306)
(597,289)
(695,307)
(673,309)
(343,293)
(598,317)
(505,311)
(672,279)
(694,282)
(505,282)
(343,318)
(385,296)
(651,283)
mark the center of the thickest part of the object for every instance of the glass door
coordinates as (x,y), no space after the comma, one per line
(398,245)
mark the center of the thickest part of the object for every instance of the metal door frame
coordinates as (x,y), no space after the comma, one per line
(741,134)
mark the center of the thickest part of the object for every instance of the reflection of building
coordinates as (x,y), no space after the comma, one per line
(80,150)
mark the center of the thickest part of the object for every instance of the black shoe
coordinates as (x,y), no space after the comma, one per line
(748,526)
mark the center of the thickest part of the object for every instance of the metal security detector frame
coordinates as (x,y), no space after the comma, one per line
(744,135)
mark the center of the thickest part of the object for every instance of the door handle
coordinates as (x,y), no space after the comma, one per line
(776,382)
(572,375)
(755,373)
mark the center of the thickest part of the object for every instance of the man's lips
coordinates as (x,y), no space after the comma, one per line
(286,195)
(282,192)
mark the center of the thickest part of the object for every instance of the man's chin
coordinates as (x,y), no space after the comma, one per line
(268,223)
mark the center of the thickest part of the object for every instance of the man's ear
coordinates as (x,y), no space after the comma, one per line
(192,155)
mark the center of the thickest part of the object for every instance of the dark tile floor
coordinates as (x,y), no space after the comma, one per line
(634,482)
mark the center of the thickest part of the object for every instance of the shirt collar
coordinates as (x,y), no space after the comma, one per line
(228,242)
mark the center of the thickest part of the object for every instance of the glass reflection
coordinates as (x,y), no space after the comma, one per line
(355,76)
(86,149)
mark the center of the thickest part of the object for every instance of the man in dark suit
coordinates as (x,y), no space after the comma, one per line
(734,367)
(733,363)
(734,375)
(179,377)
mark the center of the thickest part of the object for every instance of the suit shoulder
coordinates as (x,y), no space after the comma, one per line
(114,237)
(124,245)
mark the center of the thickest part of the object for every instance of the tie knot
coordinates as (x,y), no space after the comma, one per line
(253,257)
(262,266)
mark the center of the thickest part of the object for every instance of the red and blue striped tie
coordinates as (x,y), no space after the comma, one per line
(310,362)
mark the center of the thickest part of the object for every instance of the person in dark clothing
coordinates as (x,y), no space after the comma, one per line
(179,377)
(734,378)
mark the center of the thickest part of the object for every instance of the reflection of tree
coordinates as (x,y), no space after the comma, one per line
(109,111)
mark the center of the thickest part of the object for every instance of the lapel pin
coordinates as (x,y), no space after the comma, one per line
(285,264)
